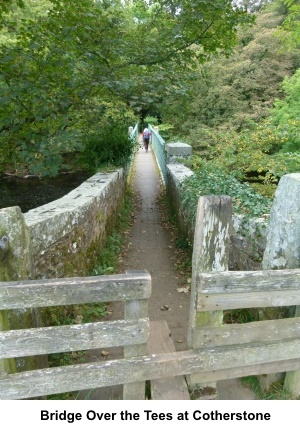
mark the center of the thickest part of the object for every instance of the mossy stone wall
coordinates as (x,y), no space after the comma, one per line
(68,233)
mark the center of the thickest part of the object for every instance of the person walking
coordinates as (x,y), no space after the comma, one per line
(146,138)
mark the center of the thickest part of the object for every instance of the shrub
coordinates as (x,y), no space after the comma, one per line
(210,180)
(108,145)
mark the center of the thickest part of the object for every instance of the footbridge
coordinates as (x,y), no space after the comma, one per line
(41,250)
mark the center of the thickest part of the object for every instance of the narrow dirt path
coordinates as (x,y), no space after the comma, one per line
(150,247)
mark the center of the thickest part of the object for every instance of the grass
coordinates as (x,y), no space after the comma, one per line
(110,260)
(275,392)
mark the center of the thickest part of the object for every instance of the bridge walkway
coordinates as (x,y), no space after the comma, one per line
(150,246)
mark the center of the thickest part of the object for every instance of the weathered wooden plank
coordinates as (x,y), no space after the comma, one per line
(253,332)
(135,309)
(160,342)
(255,369)
(236,290)
(67,291)
(262,358)
(248,282)
(263,299)
(210,254)
(79,337)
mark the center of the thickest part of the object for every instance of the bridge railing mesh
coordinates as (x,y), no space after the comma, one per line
(158,147)
(135,132)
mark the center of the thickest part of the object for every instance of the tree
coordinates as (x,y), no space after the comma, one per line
(253,5)
(239,90)
(65,66)
(291,25)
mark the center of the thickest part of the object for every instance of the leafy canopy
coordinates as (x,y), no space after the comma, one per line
(68,60)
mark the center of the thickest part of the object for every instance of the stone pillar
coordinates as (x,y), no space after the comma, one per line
(177,150)
(15,246)
(283,237)
(16,264)
(283,249)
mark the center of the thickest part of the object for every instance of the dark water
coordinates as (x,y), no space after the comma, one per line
(33,192)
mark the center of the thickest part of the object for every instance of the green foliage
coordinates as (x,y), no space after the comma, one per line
(7,5)
(254,5)
(211,180)
(287,109)
(109,258)
(60,64)
(229,117)
(166,130)
(275,392)
(109,144)
(290,29)
(262,153)
(151,120)
(240,316)
(93,312)
(233,92)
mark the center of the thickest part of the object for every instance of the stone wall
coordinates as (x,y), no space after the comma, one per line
(247,238)
(67,233)
(59,239)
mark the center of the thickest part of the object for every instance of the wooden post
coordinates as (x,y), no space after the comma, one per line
(135,309)
(210,254)
(283,248)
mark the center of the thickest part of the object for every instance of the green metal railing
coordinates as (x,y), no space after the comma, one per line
(158,147)
(134,133)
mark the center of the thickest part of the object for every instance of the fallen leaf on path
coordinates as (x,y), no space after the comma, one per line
(104,353)
(183,290)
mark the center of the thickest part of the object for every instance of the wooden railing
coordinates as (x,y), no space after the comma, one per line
(217,351)
(133,288)
(256,347)
(220,352)
(251,348)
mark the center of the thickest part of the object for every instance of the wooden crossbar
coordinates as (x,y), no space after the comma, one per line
(68,291)
(237,290)
(79,337)
(219,363)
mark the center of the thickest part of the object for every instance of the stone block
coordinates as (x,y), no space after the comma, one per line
(178,149)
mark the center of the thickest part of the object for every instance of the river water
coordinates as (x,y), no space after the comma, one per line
(33,192)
